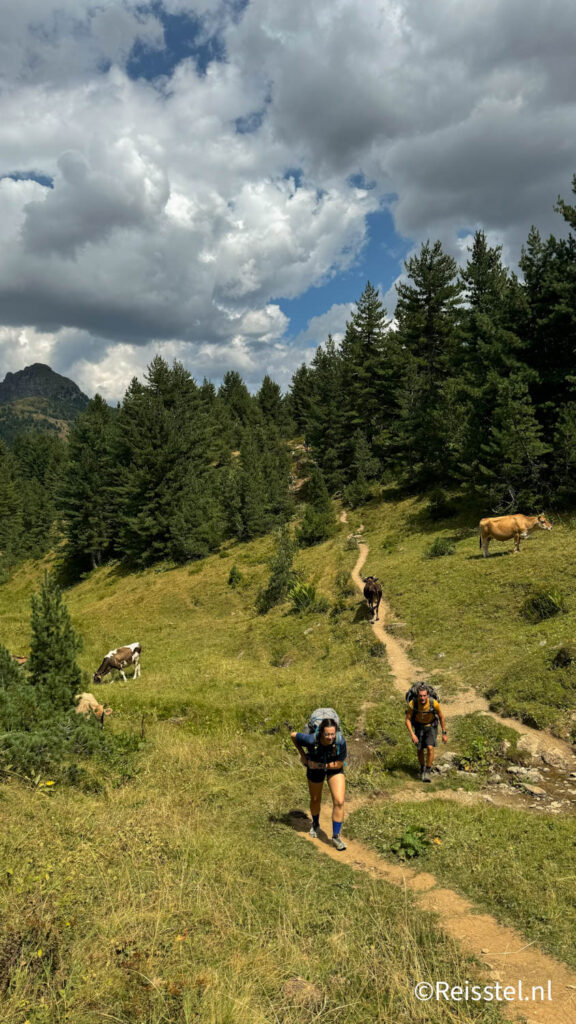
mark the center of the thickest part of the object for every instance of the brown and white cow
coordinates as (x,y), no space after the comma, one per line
(118,659)
(508,527)
(86,704)
(373,594)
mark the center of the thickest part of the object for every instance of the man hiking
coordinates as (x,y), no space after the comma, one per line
(422,716)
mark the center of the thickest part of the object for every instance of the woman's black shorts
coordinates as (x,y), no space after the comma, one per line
(319,774)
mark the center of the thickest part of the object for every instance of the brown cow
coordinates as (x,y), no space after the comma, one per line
(508,527)
(118,659)
(373,594)
(86,704)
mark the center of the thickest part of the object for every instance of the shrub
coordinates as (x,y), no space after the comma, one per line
(439,547)
(306,599)
(316,527)
(356,493)
(481,741)
(390,544)
(235,576)
(39,731)
(440,506)
(542,603)
(411,843)
(282,576)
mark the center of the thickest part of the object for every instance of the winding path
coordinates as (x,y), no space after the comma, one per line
(504,952)
(405,673)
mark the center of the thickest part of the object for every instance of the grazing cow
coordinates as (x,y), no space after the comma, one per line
(118,659)
(19,659)
(373,594)
(508,527)
(86,704)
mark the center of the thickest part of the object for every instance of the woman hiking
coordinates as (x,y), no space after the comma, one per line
(323,752)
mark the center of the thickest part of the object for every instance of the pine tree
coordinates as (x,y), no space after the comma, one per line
(327,429)
(253,506)
(319,522)
(489,350)
(364,468)
(10,508)
(370,376)
(271,403)
(89,497)
(197,524)
(40,466)
(299,397)
(427,314)
(164,437)
(549,269)
(282,576)
(513,458)
(239,409)
(52,667)
(564,455)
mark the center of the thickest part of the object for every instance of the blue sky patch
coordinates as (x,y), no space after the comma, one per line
(381,261)
(41,179)
(184,39)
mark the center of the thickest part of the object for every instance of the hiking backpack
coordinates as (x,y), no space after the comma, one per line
(412,695)
(318,716)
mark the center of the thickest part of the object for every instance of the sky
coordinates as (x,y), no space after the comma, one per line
(216,180)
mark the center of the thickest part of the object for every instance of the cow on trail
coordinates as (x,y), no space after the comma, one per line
(118,659)
(508,527)
(373,595)
(86,704)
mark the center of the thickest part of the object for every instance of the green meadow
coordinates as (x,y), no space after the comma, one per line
(170,886)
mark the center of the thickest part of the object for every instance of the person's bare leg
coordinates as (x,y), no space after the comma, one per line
(337,786)
(315,790)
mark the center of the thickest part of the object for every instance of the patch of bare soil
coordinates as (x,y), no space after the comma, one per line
(505,954)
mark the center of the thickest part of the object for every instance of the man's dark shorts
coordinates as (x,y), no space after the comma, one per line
(426,735)
(319,774)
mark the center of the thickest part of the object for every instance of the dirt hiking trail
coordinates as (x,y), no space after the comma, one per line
(504,953)
(405,673)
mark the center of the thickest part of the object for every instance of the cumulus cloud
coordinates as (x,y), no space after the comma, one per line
(184,208)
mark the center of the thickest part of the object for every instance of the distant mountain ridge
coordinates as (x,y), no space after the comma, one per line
(37,398)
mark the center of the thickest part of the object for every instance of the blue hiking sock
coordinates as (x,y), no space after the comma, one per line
(336,826)
(316,820)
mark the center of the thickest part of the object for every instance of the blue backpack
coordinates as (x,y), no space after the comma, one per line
(315,720)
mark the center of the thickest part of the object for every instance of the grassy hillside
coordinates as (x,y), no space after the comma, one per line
(182,893)
(179,892)
(462,611)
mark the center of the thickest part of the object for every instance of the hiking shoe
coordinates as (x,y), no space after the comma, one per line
(426,776)
(337,842)
(313,833)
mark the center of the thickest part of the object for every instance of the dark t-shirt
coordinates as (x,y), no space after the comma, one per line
(316,751)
